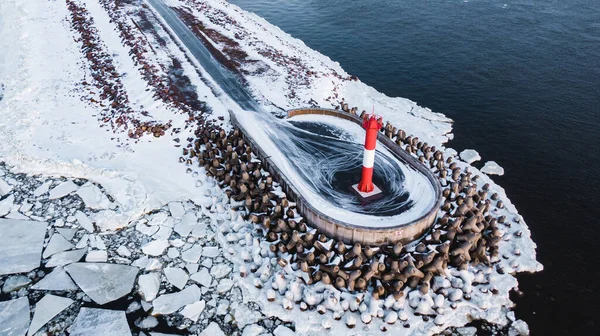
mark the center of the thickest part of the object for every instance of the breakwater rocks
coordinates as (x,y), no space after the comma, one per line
(465,234)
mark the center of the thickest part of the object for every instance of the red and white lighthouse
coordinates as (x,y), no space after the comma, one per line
(365,188)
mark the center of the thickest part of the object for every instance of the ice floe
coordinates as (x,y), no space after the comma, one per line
(176,276)
(14,317)
(170,303)
(62,190)
(193,310)
(100,322)
(46,309)
(57,280)
(93,197)
(469,156)
(149,285)
(57,243)
(492,168)
(103,283)
(65,258)
(21,243)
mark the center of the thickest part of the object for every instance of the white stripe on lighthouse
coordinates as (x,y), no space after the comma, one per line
(368,158)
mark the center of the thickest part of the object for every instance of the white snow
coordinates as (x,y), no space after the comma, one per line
(170,303)
(492,168)
(14,317)
(100,322)
(21,245)
(103,283)
(62,190)
(57,280)
(469,156)
(46,309)
(176,276)
(149,285)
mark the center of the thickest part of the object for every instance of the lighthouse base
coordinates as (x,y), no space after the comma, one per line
(367,196)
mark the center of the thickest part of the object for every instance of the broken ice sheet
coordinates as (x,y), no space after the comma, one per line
(93,197)
(176,276)
(21,245)
(14,317)
(57,280)
(193,310)
(492,168)
(100,322)
(57,243)
(46,309)
(65,258)
(170,303)
(103,283)
(148,285)
(62,190)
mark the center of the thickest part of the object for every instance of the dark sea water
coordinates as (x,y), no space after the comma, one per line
(521,79)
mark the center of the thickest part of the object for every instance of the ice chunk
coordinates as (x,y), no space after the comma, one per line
(253,330)
(57,243)
(84,221)
(492,168)
(96,256)
(103,283)
(45,310)
(210,251)
(163,233)
(220,270)
(466,331)
(57,280)
(176,276)
(192,255)
(6,205)
(187,224)
(224,285)
(21,244)
(65,258)
(62,190)
(100,322)
(39,191)
(5,188)
(148,322)
(203,277)
(15,282)
(123,251)
(149,285)
(93,197)
(283,331)
(213,329)
(193,310)
(176,209)
(14,317)
(469,156)
(67,233)
(155,248)
(170,303)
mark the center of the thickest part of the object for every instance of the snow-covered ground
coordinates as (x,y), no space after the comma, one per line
(161,234)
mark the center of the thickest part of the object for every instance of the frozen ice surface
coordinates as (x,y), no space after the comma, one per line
(155,248)
(100,322)
(492,168)
(193,310)
(103,283)
(6,205)
(149,285)
(39,191)
(67,233)
(84,221)
(46,309)
(176,209)
(170,303)
(212,329)
(15,282)
(192,254)
(469,156)
(96,256)
(176,276)
(21,244)
(283,331)
(57,243)
(65,258)
(202,277)
(14,317)
(93,197)
(62,190)
(57,280)
(210,251)
(5,188)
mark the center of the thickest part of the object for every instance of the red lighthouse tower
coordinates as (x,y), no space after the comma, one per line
(365,188)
